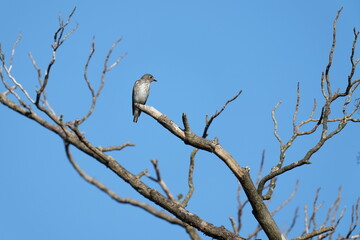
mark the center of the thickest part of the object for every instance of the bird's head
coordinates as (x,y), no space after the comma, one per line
(148,77)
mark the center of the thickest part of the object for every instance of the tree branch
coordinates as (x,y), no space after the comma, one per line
(151,194)
(71,135)
(209,121)
(260,211)
(323,119)
(117,198)
(94,96)
(327,70)
(113,148)
(160,181)
(190,177)
(58,41)
(315,233)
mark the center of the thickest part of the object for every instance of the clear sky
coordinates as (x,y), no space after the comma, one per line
(202,53)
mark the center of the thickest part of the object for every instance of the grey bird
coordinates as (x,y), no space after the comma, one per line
(140,93)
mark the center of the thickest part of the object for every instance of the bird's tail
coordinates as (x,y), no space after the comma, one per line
(135,118)
(136,115)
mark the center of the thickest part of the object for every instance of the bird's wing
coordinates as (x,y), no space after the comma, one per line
(148,90)
(133,100)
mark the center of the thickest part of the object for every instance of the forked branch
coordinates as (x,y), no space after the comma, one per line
(208,122)
(116,197)
(58,41)
(106,69)
(323,120)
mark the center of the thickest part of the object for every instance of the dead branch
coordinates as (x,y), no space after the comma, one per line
(209,121)
(38,70)
(275,123)
(260,211)
(160,181)
(293,222)
(287,200)
(327,70)
(331,218)
(94,96)
(333,210)
(315,210)
(241,205)
(11,77)
(233,224)
(58,41)
(354,221)
(113,195)
(71,135)
(295,127)
(261,168)
(118,148)
(315,233)
(324,120)
(195,150)
(190,177)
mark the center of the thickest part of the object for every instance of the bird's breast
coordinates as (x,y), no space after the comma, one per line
(141,93)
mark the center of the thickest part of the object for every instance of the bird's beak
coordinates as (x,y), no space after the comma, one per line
(155,80)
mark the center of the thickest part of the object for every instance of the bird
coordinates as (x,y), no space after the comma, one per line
(140,93)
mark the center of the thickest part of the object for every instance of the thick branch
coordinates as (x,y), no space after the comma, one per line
(151,194)
(260,211)
(113,195)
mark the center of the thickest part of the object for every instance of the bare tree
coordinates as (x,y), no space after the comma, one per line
(18,99)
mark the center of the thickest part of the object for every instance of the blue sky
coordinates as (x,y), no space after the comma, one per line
(202,54)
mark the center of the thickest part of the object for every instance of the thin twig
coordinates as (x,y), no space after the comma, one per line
(118,148)
(142,173)
(190,178)
(354,218)
(331,213)
(315,210)
(92,50)
(240,209)
(293,222)
(315,233)
(209,121)
(233,224)
(193,153)
(295,127)
(38,70)
(10,76)
(160,181)
(327,70)
(113,195)
(353,63)
(11,90)
(261,168)
(95,96)
(13,51)
(306,220)
(287,200)
(275,123)
(58,41)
